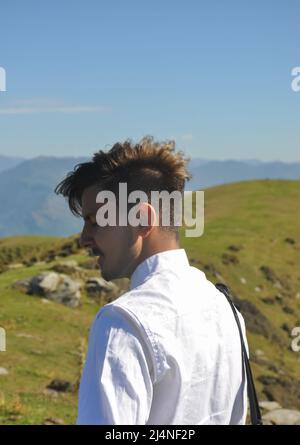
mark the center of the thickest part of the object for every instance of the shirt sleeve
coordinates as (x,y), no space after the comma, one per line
(116,386)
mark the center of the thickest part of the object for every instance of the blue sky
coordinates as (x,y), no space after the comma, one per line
(215,75)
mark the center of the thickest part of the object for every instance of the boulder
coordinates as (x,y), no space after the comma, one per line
(15,266)
(54,421)
(282,417)
(97,287)
(22,285)
(229,259)
(269,406)
(59,385)
(66,267)
(45,283)
(70,268)
(53,286)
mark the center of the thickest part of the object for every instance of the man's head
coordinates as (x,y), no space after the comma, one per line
(146,166)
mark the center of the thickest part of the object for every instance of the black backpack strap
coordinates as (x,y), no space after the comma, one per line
(255,413)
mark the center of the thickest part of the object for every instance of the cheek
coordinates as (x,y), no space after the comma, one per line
(101,238)
(119,242)
(108,240)
(114,241)
(98,235)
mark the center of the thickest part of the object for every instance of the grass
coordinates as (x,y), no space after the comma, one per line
(47,341)
(43,342)
(257,217)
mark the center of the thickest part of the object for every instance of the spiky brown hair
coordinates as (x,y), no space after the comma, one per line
(147,166)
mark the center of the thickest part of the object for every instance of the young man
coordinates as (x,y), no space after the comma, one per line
(167,351)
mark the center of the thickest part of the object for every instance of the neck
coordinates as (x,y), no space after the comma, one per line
(153,248)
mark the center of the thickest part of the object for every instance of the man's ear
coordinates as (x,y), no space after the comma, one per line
(148,214)
(148,218)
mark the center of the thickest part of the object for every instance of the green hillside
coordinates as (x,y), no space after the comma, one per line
(251,242)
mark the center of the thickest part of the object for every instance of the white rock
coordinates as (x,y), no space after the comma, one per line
(283,417)
(47,281)
(259,353)
(15,265)
(3,371)
(269,406)
(24,335)
(100,283)
(57,287)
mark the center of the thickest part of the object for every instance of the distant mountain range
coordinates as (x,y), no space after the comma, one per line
(27,200)
(7,162)
(29,206)
(207,173)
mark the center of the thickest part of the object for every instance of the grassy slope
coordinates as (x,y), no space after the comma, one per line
(255,215)
(55,348)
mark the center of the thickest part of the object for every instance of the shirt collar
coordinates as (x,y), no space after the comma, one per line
(174,259)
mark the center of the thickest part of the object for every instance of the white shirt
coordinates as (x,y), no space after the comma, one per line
(166,352)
